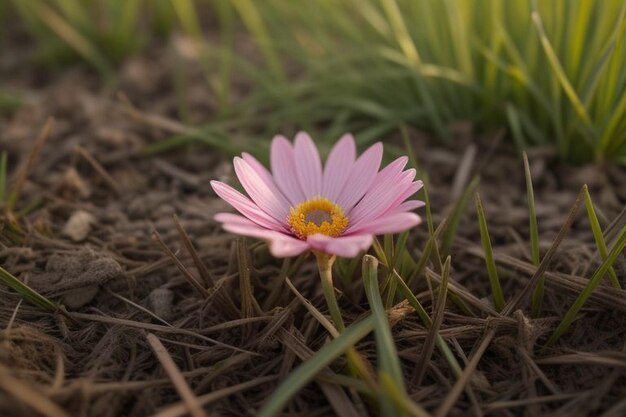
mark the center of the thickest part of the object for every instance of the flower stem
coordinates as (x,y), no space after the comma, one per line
(325,266)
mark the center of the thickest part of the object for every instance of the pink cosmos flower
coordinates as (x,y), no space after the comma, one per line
(336,210)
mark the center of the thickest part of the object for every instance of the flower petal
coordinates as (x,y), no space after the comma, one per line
(390,183)
(257,167)
(265,194)
(338,166)
(308,165)
(361,177)
(283,164)
(280,244)
(396,195)
(345,246)
(407,206)
(411,189)
(245,206)
(392,223)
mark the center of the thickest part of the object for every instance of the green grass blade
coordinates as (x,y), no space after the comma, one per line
(431,338)
(455,217)
(3,176)
(9,103)
(188,16)
(537,298)
(494,280)
(532,213)
(599,237)
(309,369)
(402,402)
(385,346)
(75,12)
(558,70)
(431,248)
(515,126)
(595,279)
(426,320)
(249,12)
(70,35)
(25,291)
(404,39)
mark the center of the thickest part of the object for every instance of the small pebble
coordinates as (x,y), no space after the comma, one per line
(161,300)
(78,226)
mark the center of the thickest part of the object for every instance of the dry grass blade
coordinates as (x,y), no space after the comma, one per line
(190,278)
(202,269)
(22,173)
(155,328)
(111,183)
(127,386)
(507,405)
(545,262)
(610,359)
(177,378)
(464,297)
(249,305)
(616,224)
(137,306)
(180,409)
(429,343)
(28,395)
(445,407)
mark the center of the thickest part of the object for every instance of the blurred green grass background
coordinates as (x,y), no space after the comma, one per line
(552,72)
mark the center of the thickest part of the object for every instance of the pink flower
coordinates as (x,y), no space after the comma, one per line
(337,210)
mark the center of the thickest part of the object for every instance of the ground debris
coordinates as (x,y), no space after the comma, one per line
(75,279)
(101,365)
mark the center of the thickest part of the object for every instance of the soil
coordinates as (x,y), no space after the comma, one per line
(100,215)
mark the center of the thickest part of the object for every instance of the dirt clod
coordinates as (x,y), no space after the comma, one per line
(75,278)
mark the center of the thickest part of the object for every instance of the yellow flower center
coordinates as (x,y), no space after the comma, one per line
(317,215)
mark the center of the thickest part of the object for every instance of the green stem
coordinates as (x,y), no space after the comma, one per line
(325,266)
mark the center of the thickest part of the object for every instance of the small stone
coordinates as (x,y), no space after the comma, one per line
(78,226)
(73,185)
(161,300)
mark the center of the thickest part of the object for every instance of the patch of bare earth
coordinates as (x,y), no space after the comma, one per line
(100,230)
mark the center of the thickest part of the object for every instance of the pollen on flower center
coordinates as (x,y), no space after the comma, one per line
(317,215)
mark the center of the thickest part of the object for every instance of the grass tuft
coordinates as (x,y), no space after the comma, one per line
(304,373)
(595,279)
(494,280)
